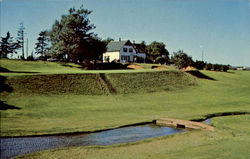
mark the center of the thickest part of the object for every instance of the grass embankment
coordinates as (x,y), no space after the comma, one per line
(48,114)
(43,113)
(57,84)
(93,84)
(150,81)
(230,140)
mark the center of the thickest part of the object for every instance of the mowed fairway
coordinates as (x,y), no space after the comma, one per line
(230,140)
(188,98)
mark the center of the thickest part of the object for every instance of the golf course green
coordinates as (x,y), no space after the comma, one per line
(42,98)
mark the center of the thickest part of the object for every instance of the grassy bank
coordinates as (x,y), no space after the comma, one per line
(230,140)
(56,84)
(48,114)
(59,101)
(150,81)
(94,84)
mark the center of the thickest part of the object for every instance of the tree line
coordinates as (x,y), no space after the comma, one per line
(71,39)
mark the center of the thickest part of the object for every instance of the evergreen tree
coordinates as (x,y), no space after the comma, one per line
(71,36)
(8,46)
(42,43)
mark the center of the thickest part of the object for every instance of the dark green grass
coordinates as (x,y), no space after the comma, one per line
(85,84)
(93,84)
(150,81)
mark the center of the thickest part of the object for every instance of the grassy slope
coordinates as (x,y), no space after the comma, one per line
(231,140)
(56,84)
(21,68)
(41,114)
(150,81)
(92,84)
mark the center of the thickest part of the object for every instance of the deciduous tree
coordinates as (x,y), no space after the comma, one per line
(157,49)
(181,59)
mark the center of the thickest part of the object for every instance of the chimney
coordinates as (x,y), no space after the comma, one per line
(119,39)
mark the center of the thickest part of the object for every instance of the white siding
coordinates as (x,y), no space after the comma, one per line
(143,55)
(111,55)
(124,54)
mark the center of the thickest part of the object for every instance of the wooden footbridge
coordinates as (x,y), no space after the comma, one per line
(184,124)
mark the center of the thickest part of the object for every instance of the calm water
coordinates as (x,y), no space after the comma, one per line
(208,121)
(11,147)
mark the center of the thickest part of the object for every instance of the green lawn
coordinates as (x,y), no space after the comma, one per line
(21,68)
(230,140)
(50,113)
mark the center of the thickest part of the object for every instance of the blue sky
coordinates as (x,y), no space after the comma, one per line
(222,27)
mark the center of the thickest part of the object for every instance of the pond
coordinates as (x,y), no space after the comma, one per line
(11,147)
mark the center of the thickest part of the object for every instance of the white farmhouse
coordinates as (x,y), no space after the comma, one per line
(122,51)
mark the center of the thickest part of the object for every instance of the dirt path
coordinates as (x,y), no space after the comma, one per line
(107,82)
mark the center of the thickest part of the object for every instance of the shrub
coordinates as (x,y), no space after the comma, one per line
(181,59)
(148,60)
(225,68)
(140,60)
(160,60)
(208,66)
(200,65)
(30,58)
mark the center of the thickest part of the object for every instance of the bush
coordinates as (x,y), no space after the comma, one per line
(216,67)
(44,58)
(181,59)
(208,66)
(200,65)
(30,58)
(140,60)
(148,60)
(225,68)
(160,60)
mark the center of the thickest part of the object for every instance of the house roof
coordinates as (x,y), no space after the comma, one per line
(117,45)
(139,48)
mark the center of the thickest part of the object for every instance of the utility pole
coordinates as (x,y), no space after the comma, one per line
(27,53)
(20,37)
(202,53)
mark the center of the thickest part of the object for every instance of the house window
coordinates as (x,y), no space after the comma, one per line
(125,58)
(128,58)
(125,49)
(130,50)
